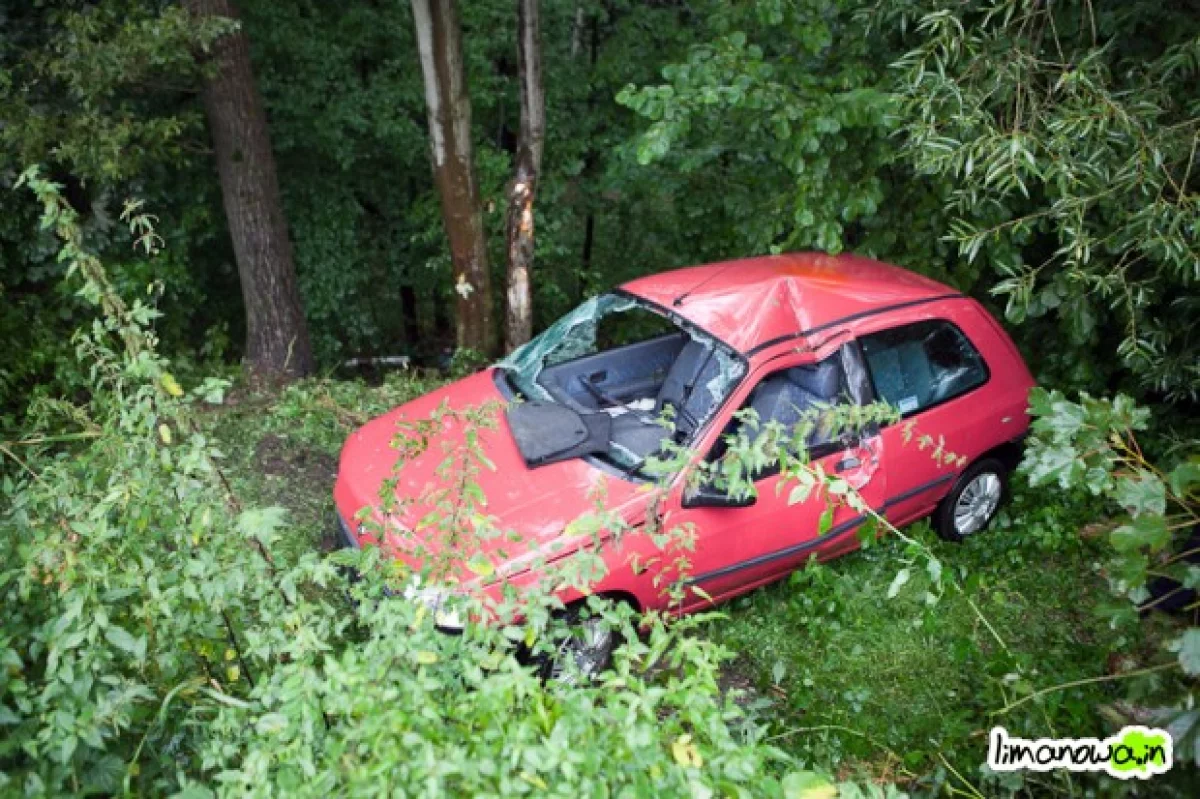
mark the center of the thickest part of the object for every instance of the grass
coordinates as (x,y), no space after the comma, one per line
(283,449)
(902,689)
(908,688)
(897,685)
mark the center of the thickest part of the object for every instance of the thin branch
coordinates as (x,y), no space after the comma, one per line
(1088,681)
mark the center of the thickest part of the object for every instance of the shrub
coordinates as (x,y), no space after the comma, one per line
(156,638)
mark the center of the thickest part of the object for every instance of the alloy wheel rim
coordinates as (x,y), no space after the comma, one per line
(976,503)
(583,654)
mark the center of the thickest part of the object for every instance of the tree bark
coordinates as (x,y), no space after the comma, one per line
(518,322)
(589,161)
(448,104)
(277,342)
(577,30)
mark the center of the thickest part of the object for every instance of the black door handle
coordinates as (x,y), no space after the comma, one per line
(847,463)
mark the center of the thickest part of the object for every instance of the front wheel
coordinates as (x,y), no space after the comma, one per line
(972,503)
(585,651)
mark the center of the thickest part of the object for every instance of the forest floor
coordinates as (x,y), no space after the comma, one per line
(903,689)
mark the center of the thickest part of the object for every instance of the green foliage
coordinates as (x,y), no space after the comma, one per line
(1065,136)
(167,628)
(893,687)
(105,95)
(1042,153)
(1091,445)
(1055,171)
(780,132)
(160,636)
(86,85)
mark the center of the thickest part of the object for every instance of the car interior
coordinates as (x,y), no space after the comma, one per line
(790,395)
(922,364)
(637,384)
(635,368)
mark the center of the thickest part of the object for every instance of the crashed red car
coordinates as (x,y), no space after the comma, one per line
(779,334)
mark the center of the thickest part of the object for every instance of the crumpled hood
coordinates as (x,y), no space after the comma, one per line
(535,504)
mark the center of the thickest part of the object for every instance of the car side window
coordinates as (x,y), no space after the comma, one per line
(790,395)
(917,366)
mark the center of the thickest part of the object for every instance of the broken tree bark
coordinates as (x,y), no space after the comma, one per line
(448,106)
(277,342)
(518,321)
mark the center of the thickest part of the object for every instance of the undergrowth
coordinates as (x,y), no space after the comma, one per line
(886,689)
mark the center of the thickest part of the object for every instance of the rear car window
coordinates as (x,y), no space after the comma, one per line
(923,364)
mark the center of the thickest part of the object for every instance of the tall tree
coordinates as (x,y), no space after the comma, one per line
(277,343)
(448,103)
(518,321)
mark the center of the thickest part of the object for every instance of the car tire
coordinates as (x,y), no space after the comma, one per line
(590,649)
(973,502)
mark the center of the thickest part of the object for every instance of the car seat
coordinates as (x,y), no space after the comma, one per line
(691,369)
(787,396)
(902,375)
(684,389)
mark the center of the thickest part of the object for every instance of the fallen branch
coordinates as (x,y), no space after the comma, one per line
(1088,681)
(403,361)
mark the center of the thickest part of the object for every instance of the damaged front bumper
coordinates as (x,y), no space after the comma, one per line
(346,539)
(436,601)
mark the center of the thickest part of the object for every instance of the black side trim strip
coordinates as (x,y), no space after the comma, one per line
(851,318)
(782,553)
(796,549)
(921,489)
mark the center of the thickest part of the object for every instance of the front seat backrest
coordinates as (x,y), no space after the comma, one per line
(779,399)
(684,372)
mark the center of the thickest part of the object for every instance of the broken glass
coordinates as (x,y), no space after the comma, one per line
(627,359)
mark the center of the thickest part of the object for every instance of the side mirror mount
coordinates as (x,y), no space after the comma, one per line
(707,496)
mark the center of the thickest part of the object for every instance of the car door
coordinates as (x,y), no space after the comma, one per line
(933,374)
(739,548)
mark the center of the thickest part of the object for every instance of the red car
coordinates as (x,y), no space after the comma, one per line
(779,334)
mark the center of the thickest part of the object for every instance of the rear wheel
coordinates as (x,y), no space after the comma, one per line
(972,504)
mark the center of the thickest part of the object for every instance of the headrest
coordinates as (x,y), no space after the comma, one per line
(822,379)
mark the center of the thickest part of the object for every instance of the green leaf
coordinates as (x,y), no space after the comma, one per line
(121,639)
(1144,532)
(481,565)
(1188,648)
(171,385)
(798,494)
(898,582)
(808,785)
(271,723)
(826,520)
(1184,477)
(1140,494)
(934,567)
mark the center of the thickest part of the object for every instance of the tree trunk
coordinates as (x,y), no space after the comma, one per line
(577,31)
(277,343)
(518,322)
(448,103)
(408,309)
(589,161)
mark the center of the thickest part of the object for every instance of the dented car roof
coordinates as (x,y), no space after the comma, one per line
(754,302)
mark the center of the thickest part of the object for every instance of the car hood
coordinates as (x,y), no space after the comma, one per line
(536,505)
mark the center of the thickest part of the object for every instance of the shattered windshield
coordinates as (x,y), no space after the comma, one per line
(617,356)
